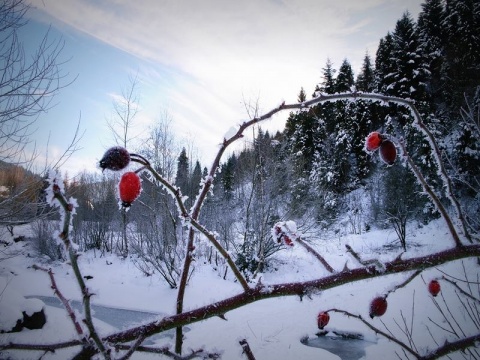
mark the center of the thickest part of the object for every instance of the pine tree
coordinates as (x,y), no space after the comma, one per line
(228,177)
(410,75)
(368,117)
(195,180)
(461,72)
(384,65)
(366,79)
(432,38)
(302,96)
(327,86)
(345,79)
(345,131)
(182,176)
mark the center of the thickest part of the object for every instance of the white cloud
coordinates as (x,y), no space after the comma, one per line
(219,52)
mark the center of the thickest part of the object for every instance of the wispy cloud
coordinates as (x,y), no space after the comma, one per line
(218,52)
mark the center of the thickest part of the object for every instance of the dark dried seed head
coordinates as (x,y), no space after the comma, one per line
(115,158)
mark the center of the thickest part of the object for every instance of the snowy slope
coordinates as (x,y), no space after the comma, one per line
(274,327)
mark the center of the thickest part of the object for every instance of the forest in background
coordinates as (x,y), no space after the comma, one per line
(315,172)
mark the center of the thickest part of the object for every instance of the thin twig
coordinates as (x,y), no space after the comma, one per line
(377,264)
(64,236)
(378,331)
(316,254)
(246,349)
(62,298)
(427,188)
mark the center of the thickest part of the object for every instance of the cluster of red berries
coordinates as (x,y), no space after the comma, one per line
(130,186)
(378,306)
(388,151)
(281,236)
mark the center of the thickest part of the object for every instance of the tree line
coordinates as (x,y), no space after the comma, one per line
(316,171)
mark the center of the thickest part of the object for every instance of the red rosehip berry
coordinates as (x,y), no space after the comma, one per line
(287,241)
(434,287)
(388,152)
(115,158)
(129,188)
(374,140)
(322,319)
(378,306)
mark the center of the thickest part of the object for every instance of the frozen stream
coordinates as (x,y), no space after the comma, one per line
(119,318)
(345,348)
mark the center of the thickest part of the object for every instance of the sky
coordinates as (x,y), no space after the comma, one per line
(205,63)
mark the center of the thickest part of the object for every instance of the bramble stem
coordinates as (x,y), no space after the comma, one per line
(72,254)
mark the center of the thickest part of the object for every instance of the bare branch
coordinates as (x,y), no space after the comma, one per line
(246,349)
(295,289)
(378,331)
(62,298)
(316,254)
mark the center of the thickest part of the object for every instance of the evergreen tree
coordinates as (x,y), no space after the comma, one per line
(346,129)
(461,72)
(410,75)
(368,117)
(432,38)
(327,86)
(300,134)
(302,97)
(345,79)
(366,79)
(182,176)
(384,65)
(195,180)
(228,177)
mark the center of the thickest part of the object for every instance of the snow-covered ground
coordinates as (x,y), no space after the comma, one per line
(274,327)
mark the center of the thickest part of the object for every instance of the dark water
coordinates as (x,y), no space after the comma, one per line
(118,318)
(346,349)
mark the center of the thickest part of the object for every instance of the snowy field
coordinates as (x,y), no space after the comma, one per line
(273,328)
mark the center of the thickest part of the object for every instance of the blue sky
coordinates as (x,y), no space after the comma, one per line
(199,60)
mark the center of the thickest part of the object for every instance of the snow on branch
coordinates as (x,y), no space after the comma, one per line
(293,289)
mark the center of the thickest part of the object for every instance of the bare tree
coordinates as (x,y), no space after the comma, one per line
(125,109)
(28,82)
(157,242)
(161,146)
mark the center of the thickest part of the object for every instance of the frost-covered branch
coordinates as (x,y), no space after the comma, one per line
(223,252)
(320,98)
(378,331)
(293,289)
(246,349)
(450,347)
(370,269)
(357,257)
(463,292)
(316,254)
(436,201)
(66,304)
(406,282)
(67,209)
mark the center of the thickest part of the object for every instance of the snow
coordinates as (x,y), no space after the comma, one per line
(13,304)
(273,327)
(230,133)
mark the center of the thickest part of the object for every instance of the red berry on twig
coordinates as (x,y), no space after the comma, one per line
(434,287)
(129,188)
(378,306)
(115,158)
(322,319)
(374,140)
(388,152)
